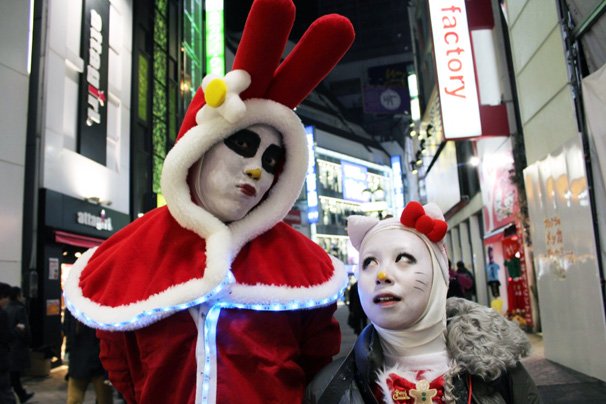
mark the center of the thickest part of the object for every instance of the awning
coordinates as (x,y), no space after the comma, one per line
(77,240)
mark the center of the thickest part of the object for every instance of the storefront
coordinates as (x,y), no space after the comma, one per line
(68,227)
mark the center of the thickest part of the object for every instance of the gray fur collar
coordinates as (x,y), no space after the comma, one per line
(481,341)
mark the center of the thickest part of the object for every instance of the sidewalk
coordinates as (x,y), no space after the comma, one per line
(557,384)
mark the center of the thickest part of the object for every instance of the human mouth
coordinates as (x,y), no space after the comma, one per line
(386,299)
(247,190)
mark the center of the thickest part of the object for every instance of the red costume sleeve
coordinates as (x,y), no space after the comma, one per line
(113,356)
(322,340)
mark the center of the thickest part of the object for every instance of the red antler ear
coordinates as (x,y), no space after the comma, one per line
(265,34)
(321,47)
(411,213)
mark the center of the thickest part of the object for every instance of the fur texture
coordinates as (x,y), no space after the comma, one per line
(480,342)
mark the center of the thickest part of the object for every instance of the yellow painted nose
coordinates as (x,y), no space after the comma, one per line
(381,276)
(254,173)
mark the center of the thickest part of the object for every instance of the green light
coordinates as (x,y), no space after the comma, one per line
(215,38)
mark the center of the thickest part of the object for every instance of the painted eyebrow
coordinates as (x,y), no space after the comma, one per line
(409,257)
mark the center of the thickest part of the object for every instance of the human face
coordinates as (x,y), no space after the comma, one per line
(395,277)
(235,174)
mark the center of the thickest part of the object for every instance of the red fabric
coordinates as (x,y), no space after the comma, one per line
(403,386)
(263,41)
(282,256)
(263,357)
(268,23)
(414,216)
(314,56)
(144,258)
(156,364)
(189,120)
(411,213)
(155,252)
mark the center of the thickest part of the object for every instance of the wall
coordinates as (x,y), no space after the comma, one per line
(64,170)
(14,81)
(572,316)
(546,106)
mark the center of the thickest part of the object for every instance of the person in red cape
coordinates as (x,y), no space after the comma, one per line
(213,298)
(420,347)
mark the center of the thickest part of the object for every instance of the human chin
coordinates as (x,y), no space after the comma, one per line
(232,210)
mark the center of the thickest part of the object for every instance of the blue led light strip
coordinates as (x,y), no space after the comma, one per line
(212,318)
(144,317)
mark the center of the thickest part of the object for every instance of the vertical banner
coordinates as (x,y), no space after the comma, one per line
(455,69)
(92,122)
(499,194)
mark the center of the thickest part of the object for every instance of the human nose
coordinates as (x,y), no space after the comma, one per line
(382,277)
(253,173)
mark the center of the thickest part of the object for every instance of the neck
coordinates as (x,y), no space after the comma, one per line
(398,344)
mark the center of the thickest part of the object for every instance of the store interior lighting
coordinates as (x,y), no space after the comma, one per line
(474,161)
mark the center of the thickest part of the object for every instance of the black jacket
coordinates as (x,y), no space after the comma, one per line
(19,357)
(493,380)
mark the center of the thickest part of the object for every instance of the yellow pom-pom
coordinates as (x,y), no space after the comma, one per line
(215,93)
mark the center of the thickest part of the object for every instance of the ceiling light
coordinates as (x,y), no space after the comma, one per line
(474,161)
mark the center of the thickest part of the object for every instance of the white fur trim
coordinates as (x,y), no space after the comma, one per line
(196,291)
(139,314)
(199,139)
(284,295)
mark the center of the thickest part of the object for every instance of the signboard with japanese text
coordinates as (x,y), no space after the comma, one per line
(564,252)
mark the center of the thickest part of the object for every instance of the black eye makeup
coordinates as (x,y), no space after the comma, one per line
(367,261)
(409,258)
(272,158)
(244,142)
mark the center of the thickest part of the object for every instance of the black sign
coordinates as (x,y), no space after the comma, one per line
(92,139)
(62,212)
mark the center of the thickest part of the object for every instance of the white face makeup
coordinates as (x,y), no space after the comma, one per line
(235,174)
(395,278)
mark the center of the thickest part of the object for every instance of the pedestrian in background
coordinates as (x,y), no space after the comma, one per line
(6,391)
(19,359)
(466,280)
(454,288)
(85,366)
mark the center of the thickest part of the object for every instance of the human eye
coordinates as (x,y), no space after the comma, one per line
(409,259)
(244,142)
(272,158)
(368,261)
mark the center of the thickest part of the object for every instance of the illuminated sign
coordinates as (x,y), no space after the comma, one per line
(398,187)
(101,222)
(310,180)
(92,141)
(355,181)
(455,68)
(215,37)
